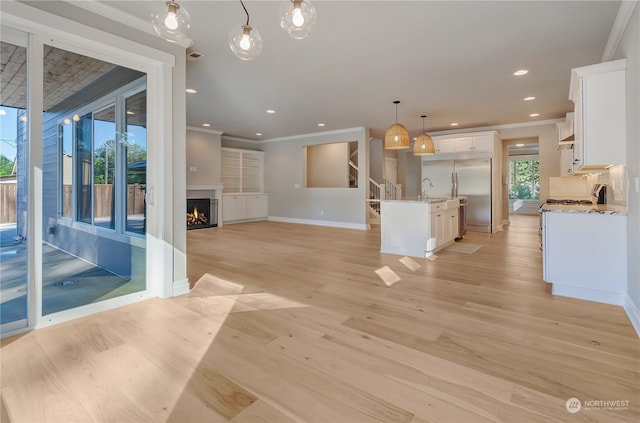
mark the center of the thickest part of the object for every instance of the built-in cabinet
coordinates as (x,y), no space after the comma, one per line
(242,177)
(237,207)
(242,170)
(598,94)
(474,143)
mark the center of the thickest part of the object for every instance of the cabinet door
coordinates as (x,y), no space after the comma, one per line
(446,146)
(234,207)
(452,224)
(257,206)
(483,143)
(566,162)
(437,227)
(463,144)
(604,118)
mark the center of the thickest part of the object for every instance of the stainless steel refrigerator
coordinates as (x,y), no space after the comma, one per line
(473,182)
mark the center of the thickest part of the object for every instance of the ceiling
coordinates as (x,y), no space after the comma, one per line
(451,60)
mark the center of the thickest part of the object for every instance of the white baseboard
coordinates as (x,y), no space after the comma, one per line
(580,293)
(181,287)
(633,312)
(346,225)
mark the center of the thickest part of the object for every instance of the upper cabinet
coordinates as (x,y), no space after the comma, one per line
(476,142)
(242,170)
(598,93)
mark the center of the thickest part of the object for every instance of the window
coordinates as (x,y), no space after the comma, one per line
(524,179)
(103,162)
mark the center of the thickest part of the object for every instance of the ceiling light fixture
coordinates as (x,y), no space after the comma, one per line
(529,98)
(521,72)
(245,42)
(191,91)
(206,125)
(271,111)
(423,146)
(297,18)
(396,136)
(454,124)
(171,22)
(321,124)
(534,115)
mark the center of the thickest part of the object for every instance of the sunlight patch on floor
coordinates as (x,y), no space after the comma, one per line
(410,263)
(388,276)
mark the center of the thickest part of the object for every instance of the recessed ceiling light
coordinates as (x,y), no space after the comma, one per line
(206,125)
(191,91)
(271,111)
(534,115)
(259,134)
(455,124)
(321,124)
(529,98)
(521,72)
(519,145)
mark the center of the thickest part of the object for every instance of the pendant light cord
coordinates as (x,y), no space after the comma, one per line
(245,11)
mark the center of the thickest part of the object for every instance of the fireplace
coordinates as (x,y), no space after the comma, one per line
(202,213)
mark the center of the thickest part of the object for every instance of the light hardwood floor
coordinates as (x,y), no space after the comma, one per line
(292,323)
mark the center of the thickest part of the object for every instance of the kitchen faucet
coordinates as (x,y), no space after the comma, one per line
(424,195)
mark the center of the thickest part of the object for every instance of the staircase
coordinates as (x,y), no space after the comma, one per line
(378,192)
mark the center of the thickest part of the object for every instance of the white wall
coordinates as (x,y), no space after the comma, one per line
(289,200)
(629,48)
(203,157)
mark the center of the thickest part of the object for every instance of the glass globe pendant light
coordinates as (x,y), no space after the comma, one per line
(423,145)
(171,22)
(396,137)
(297,18)
(245,42)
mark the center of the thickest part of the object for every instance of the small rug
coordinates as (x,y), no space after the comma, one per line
(463,248)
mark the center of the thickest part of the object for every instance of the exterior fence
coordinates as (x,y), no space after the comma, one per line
(103,197)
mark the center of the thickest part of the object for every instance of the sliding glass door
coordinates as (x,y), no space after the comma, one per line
(94,180)
(13,182)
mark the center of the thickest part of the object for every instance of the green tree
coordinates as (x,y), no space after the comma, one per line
(6,166)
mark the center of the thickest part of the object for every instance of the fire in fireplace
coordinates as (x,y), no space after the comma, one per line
(201,213)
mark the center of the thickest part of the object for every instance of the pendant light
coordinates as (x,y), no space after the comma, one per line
(297,18)
(171,22)
(396,137)
(245,42)
(423,145)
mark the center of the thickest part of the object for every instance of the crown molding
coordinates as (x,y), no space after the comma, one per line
(117,15)
(619,26)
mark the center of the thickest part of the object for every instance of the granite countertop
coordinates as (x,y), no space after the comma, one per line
(579,208)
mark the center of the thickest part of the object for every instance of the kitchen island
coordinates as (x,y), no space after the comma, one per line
(418,228)
(584,251)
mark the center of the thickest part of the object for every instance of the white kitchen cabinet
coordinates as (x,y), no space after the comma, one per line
(584,255)
(599,97)
(479,143)
(451,224)
(444,145)
(566,162)
(443,224)
(437,226)
(242,170)
(243,207)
